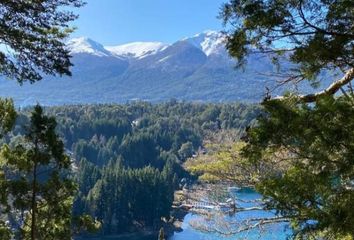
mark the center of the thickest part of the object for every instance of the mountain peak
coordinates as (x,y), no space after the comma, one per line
(210,33)
(209,41)
(137,49)
(87,45)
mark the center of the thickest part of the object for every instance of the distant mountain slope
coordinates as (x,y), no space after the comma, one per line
(195,69)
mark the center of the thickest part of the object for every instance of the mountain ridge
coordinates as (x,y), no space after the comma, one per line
(196,68)
(208,41)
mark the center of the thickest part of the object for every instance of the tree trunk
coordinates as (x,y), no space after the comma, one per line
(34,203)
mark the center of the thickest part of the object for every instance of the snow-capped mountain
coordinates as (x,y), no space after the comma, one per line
(88,46)
(210,42)
(137,49)
(196,68)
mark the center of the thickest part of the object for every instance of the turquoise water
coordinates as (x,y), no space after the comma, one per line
(270,232)
(274,231)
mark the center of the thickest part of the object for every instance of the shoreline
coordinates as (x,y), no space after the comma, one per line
(170,226)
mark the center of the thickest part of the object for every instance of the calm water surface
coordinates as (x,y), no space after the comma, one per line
(270,232)
(276,231)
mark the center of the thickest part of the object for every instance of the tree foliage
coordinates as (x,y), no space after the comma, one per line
(35,197)
(315,35)
(128,157)
(38,196)
(223,162)
(33,32)
(317,184)
(310,144)
(126,199)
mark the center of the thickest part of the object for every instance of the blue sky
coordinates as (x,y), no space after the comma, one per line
(112,22)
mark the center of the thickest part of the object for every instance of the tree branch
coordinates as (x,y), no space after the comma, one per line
(321,30)
(248,225)
(261,222)
(331,90)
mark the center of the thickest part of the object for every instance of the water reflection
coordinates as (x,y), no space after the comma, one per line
(275,231)
(278,231)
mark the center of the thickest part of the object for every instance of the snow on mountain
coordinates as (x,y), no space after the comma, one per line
(87,45)
(197,68)
(137,49)
(210,42)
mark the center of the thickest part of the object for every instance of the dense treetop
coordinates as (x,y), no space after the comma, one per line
(309,145)
(33,32)
(127,159)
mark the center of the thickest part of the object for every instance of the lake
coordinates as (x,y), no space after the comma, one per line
(275,231)
(278,231)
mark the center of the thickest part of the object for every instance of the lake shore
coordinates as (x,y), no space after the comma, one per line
(170,226)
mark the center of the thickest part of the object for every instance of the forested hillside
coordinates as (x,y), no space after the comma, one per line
(71,170)
(127,158)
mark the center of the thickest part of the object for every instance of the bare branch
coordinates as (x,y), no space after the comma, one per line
(246,225)
(261,222)
(323,31)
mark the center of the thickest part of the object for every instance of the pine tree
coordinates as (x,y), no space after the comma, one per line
(39,192)
(35,32)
